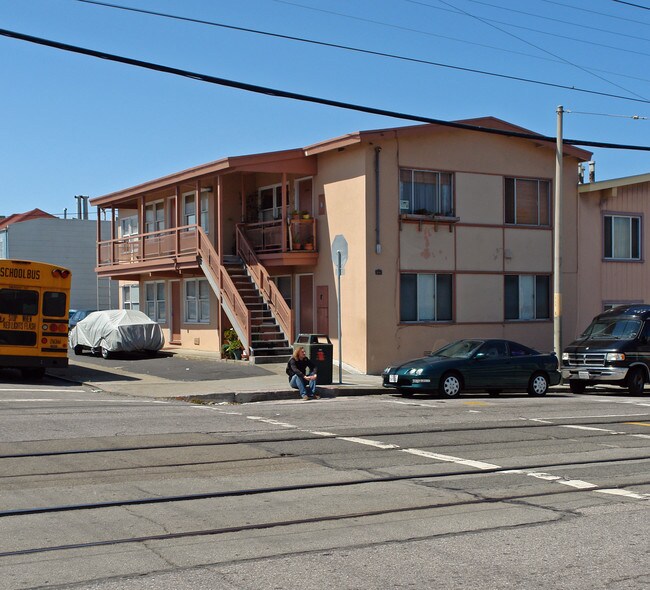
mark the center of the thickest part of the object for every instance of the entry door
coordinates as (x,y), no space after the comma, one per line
(305,298)
(176,311)
(304,194)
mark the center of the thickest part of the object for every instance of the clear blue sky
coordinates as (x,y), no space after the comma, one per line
(73,124)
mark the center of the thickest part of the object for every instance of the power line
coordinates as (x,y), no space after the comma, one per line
(583,9)
(635,117)
(632,4)
(369,51)
(484,21)
(303,97)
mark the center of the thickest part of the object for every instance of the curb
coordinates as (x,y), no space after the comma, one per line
(245,397)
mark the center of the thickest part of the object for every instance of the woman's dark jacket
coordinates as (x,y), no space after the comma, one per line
(299,367)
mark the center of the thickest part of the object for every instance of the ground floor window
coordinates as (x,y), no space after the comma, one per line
(155,306)
(130,296)
(527,297)
(425,297)
(197,301)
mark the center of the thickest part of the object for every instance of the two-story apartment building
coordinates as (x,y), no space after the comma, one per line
(449,233)
(612,252)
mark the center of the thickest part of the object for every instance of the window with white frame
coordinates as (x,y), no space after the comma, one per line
(622,237)
(197,301)
(425,297)
(204,204)
(189,208)
(270,202)
(128,226)
(528,201)
(130,296)
(426,192)
(155,306)
(527,297)
(154,217)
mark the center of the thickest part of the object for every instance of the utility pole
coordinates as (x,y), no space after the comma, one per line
(557,240)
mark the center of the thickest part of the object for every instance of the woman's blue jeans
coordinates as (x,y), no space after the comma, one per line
(297,383)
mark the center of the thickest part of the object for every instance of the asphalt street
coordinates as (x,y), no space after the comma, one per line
(107,492)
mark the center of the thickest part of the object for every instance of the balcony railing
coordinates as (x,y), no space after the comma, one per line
(266,236)
(164,243)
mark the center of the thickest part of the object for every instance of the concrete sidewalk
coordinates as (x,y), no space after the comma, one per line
(234,382)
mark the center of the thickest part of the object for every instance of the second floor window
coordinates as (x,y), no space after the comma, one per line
(190,213)
(528,202)
(527,297)
(154,217)
(424,192)
(425,297)
(622,237)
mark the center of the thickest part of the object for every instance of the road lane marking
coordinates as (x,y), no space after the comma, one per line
(43,390)
(624,493)
(450,459)
(367,441)
(638,423)
(578,427)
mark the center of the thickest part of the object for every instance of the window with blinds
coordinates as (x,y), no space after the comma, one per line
(528,201)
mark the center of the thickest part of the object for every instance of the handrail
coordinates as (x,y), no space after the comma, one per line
(281,311)
(227,290)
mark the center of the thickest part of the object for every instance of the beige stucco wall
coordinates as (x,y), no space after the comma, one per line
(477,251)
(342,182)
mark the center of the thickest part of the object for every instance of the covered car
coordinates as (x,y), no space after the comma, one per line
(119,330)
(477,364)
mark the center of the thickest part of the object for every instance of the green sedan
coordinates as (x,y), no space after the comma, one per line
(478,365)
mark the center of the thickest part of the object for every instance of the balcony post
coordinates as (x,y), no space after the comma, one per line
(141,226)
(99,234)
(284,212)
(177,213)
(113,237)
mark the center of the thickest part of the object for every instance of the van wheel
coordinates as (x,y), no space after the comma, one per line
(577,386)
(538,384)
(636,381)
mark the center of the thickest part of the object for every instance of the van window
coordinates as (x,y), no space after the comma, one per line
(613,329)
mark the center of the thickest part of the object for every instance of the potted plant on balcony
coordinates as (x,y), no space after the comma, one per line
(309,244)
(295,214)
(305,215)
(232,346)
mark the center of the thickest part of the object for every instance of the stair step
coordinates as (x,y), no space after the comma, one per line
(268,360)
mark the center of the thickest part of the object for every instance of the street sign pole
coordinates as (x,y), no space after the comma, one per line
(338,314)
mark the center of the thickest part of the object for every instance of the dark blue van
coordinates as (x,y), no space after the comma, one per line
(614,349)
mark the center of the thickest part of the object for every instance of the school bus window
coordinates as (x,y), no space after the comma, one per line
(18,302)
(54,304)
(17,338)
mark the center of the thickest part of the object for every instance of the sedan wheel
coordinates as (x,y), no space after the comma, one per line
(450,385)
(538,384)
(105,353)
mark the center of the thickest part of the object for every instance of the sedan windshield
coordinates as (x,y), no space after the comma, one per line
(612,329)
(462,349)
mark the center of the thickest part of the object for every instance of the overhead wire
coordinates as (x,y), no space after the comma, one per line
(352,48)
(632,4)
(480,19)
(359,49)
(582,9)
(303,97)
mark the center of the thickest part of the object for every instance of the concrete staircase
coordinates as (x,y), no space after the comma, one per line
(268,342)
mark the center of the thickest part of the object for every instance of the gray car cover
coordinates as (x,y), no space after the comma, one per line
(119,330)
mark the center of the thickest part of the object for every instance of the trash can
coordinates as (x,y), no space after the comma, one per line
(319,349)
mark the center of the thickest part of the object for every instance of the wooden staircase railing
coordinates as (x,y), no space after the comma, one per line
(279,308)
(223,286)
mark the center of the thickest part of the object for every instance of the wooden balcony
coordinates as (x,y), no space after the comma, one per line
(168,249)
(276,245)
(178,248)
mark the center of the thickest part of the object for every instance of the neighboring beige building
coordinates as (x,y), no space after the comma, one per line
(612,250)
(449,235)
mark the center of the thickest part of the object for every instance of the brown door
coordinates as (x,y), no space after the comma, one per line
(176,312)
(306,299)
(305,201)
(322,310)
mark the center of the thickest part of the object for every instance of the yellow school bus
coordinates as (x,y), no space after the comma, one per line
(34,300)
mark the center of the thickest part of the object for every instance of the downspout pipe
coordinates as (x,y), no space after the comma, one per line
(377,237)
